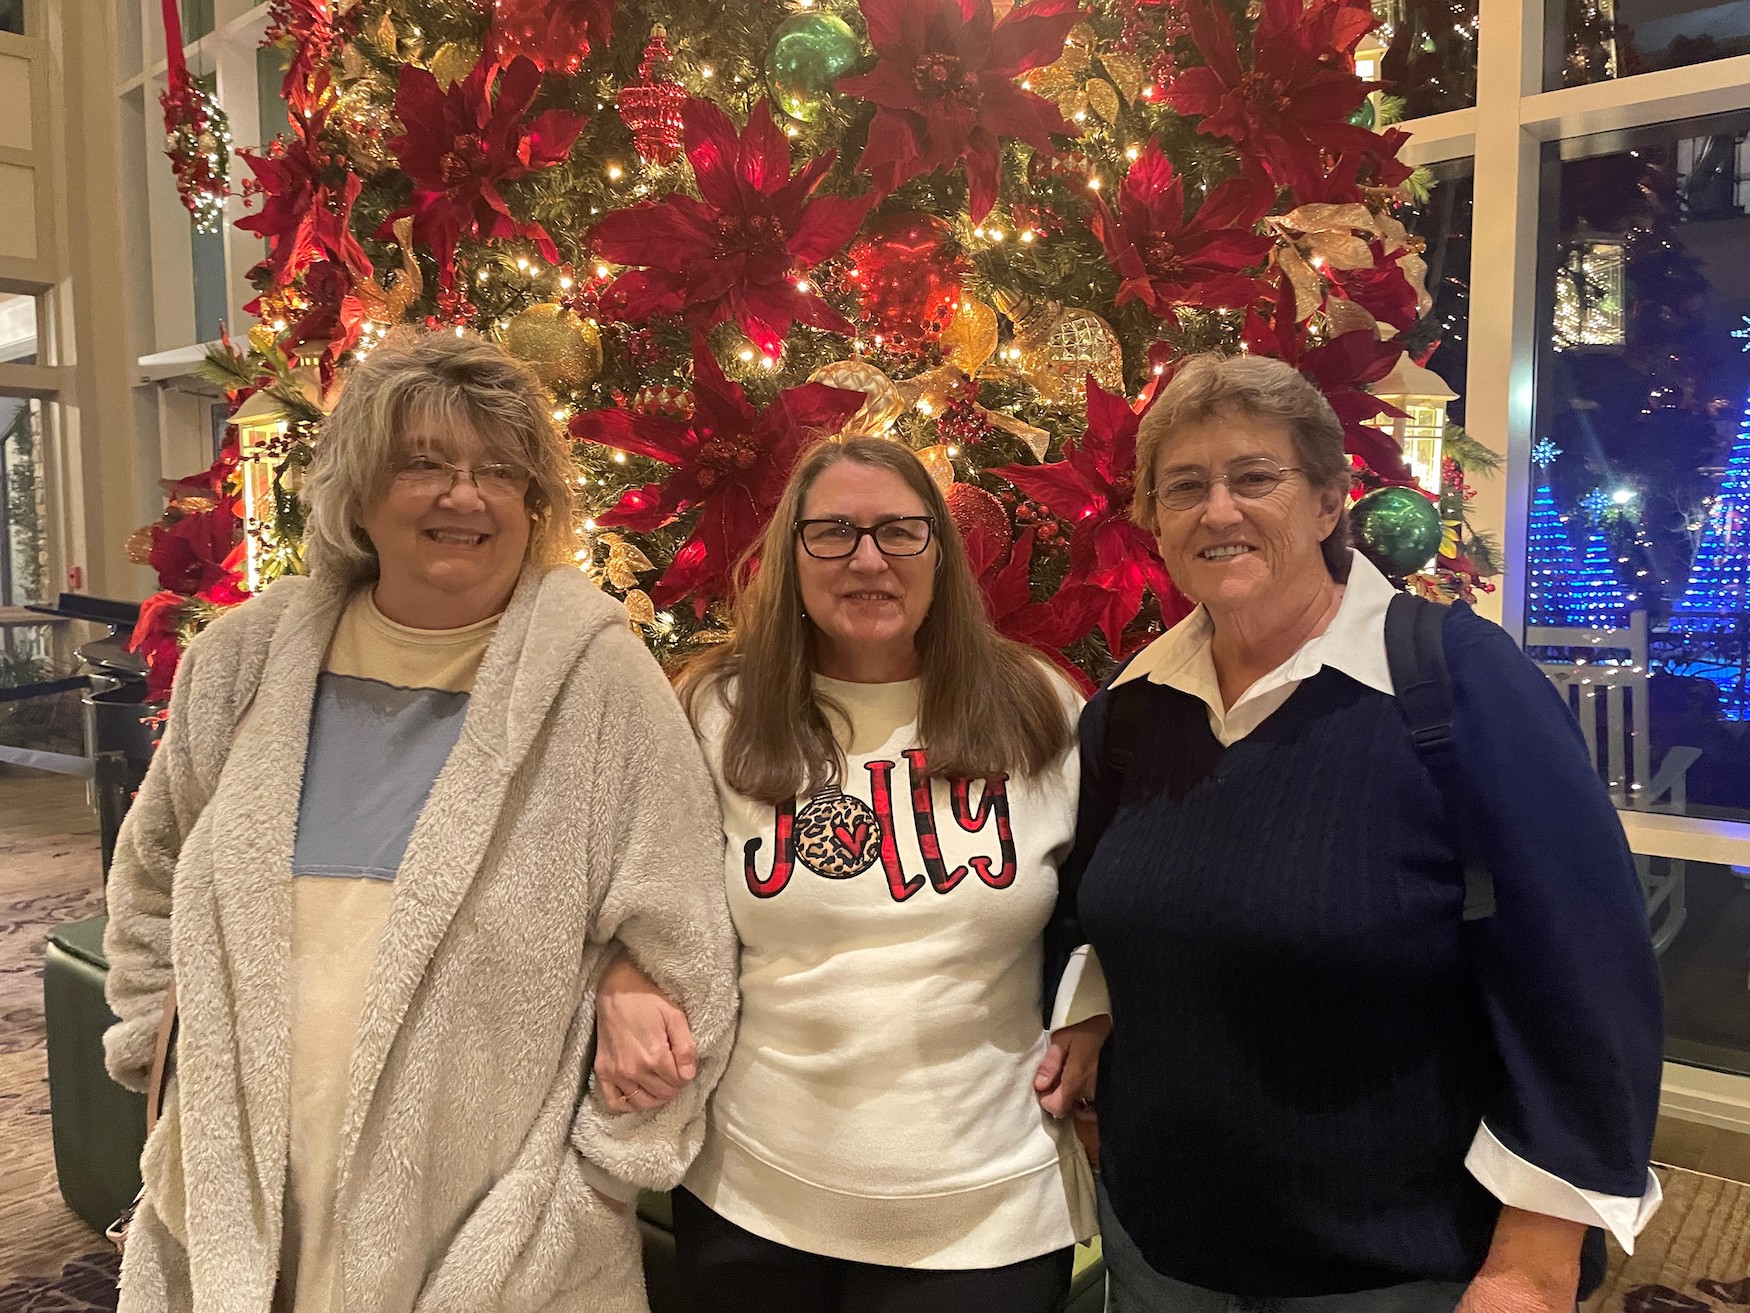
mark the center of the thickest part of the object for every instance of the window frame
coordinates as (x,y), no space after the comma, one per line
(1505,134)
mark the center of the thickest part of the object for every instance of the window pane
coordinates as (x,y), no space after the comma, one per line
(1430,58)
(1639,537)
(197,19)
(18,340)
(270,72)
(1700,923)
(1595,40)
(12,16)
(1443,223)
(24,545)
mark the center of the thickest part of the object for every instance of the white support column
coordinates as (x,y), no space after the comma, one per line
(1503,284)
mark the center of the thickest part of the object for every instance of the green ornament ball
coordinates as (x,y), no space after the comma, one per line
(810,52)
(1398,529)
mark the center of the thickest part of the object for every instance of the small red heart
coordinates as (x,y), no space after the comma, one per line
(853,840)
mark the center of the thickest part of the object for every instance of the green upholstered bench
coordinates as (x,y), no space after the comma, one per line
(98,1127)
(1087,1292)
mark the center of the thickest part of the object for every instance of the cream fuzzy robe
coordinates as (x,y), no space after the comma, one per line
(573,810)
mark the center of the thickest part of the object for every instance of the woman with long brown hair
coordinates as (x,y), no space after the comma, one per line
(898,785)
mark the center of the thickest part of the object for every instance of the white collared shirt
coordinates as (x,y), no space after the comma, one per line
(1354,643)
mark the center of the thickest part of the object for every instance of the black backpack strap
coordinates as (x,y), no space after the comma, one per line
(1415,648)
(1123,727)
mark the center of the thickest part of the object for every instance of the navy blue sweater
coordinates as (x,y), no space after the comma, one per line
(1306,1034)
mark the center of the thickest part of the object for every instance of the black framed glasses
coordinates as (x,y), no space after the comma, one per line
(429,476)
(1249,480)
(833,540)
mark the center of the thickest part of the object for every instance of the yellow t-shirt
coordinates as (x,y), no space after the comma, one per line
(389,706)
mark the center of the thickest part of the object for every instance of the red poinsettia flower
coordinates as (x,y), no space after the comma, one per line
(736,252)
(1167,260)
(1112,561)
(556,34)
(154,637)
(730,459)
(333,313)
(1342,368)
(190,555)
(944,87)
(463,145)
(302,216)
(1288,110)
(1372,164)
(1380,289)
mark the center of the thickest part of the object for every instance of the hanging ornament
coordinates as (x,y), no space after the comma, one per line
(453,61)
(562,347)
(971,338)
(651,106)
(664,402)
(197,136)
(837,836)
(1060,346)
(981,518)
(906,270)
(556,35)
(1396,528)
(810,52)
(884,407)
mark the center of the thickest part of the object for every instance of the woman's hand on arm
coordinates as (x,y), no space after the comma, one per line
(1533,1266)
(644,1046)
(1065,1080)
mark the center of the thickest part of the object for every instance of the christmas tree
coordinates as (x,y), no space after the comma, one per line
(1596,597)
(1551,563)
(1714,611)
(988,233)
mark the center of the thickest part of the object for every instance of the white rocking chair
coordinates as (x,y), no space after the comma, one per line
(1611,703)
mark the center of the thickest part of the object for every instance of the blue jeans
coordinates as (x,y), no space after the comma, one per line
(1135,1287)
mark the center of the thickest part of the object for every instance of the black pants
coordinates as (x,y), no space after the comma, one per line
(725,1269)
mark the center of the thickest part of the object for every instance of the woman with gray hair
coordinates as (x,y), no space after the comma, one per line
(1334,1083)
(393,840)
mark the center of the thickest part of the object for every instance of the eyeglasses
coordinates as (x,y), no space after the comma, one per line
(428,476)
(1249,480)
(833,540)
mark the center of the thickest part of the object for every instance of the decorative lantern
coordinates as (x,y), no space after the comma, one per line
(262,425)
(1369,57)
(1422,395)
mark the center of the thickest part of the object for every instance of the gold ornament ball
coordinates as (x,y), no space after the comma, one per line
(971,339)
(1079,343)
(564,349)
(884,406)
(453,61)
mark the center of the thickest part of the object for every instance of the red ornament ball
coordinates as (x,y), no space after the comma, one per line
(981,519)
(554,35)
(906,270)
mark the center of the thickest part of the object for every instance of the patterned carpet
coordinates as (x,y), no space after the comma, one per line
(49,873)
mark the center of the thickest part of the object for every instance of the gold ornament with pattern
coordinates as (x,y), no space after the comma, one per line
(1060,346)
(562,347)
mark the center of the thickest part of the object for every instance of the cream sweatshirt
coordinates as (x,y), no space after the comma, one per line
(878,1105)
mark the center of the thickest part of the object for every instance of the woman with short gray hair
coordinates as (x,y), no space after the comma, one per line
(1386,1019)
(393,840)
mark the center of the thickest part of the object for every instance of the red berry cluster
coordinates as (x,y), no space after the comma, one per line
(1048,529)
